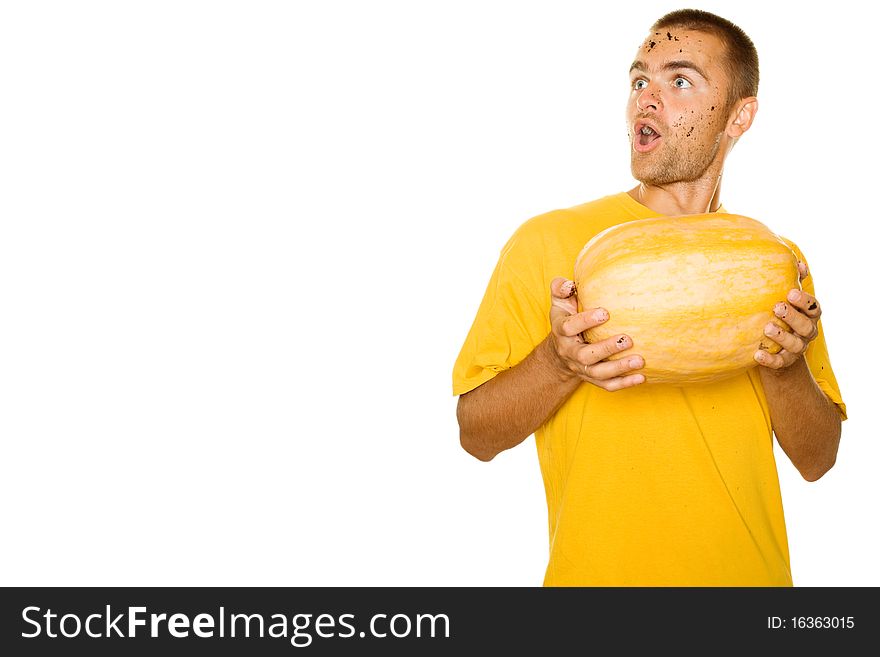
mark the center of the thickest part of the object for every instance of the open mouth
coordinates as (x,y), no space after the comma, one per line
(646,137)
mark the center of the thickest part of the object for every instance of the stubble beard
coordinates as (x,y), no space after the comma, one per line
(670,165)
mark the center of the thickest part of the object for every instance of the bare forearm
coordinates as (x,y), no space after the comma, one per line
(805,421)
(502,412)
(505,410)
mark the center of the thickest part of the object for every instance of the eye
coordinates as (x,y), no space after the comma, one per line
(681,83)
(638,85)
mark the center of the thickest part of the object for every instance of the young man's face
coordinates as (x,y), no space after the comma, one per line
(678,89)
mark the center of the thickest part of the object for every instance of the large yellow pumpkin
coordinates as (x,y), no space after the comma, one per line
(693,292)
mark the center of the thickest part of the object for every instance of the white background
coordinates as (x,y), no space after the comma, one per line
(241,244)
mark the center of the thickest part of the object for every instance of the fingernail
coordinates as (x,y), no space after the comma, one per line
(770,329)
(600,315)
(568,288)
(779,309)
(759,356)
(621,342)
(794,295)
(635,363)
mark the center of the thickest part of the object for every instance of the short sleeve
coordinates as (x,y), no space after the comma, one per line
(513,315)
(817,352)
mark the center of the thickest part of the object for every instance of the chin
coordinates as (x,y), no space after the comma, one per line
(666,172)
(645,172)
(654,178)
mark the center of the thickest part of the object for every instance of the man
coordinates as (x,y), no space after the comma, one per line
(651,484)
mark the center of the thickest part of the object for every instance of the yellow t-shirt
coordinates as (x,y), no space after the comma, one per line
(655,485)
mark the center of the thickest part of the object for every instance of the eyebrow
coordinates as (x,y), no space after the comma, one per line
(675,64)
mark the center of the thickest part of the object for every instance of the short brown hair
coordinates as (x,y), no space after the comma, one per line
(741,61)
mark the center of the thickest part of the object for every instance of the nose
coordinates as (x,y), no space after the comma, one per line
(649,98)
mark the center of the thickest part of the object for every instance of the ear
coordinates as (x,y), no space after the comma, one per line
(743,117)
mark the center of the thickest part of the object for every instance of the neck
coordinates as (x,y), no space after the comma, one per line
(697,197)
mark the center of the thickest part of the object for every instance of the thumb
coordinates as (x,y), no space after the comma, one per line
(562,288)
(563,299)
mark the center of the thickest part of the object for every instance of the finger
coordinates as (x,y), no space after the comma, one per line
(774,361)
(592,353)
(608,369)
(578,323)
(806,303)
(794,344)
(803,270)
(799,323)
(621,382)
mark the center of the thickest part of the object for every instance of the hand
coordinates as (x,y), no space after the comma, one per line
(582,359)
(800,316)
